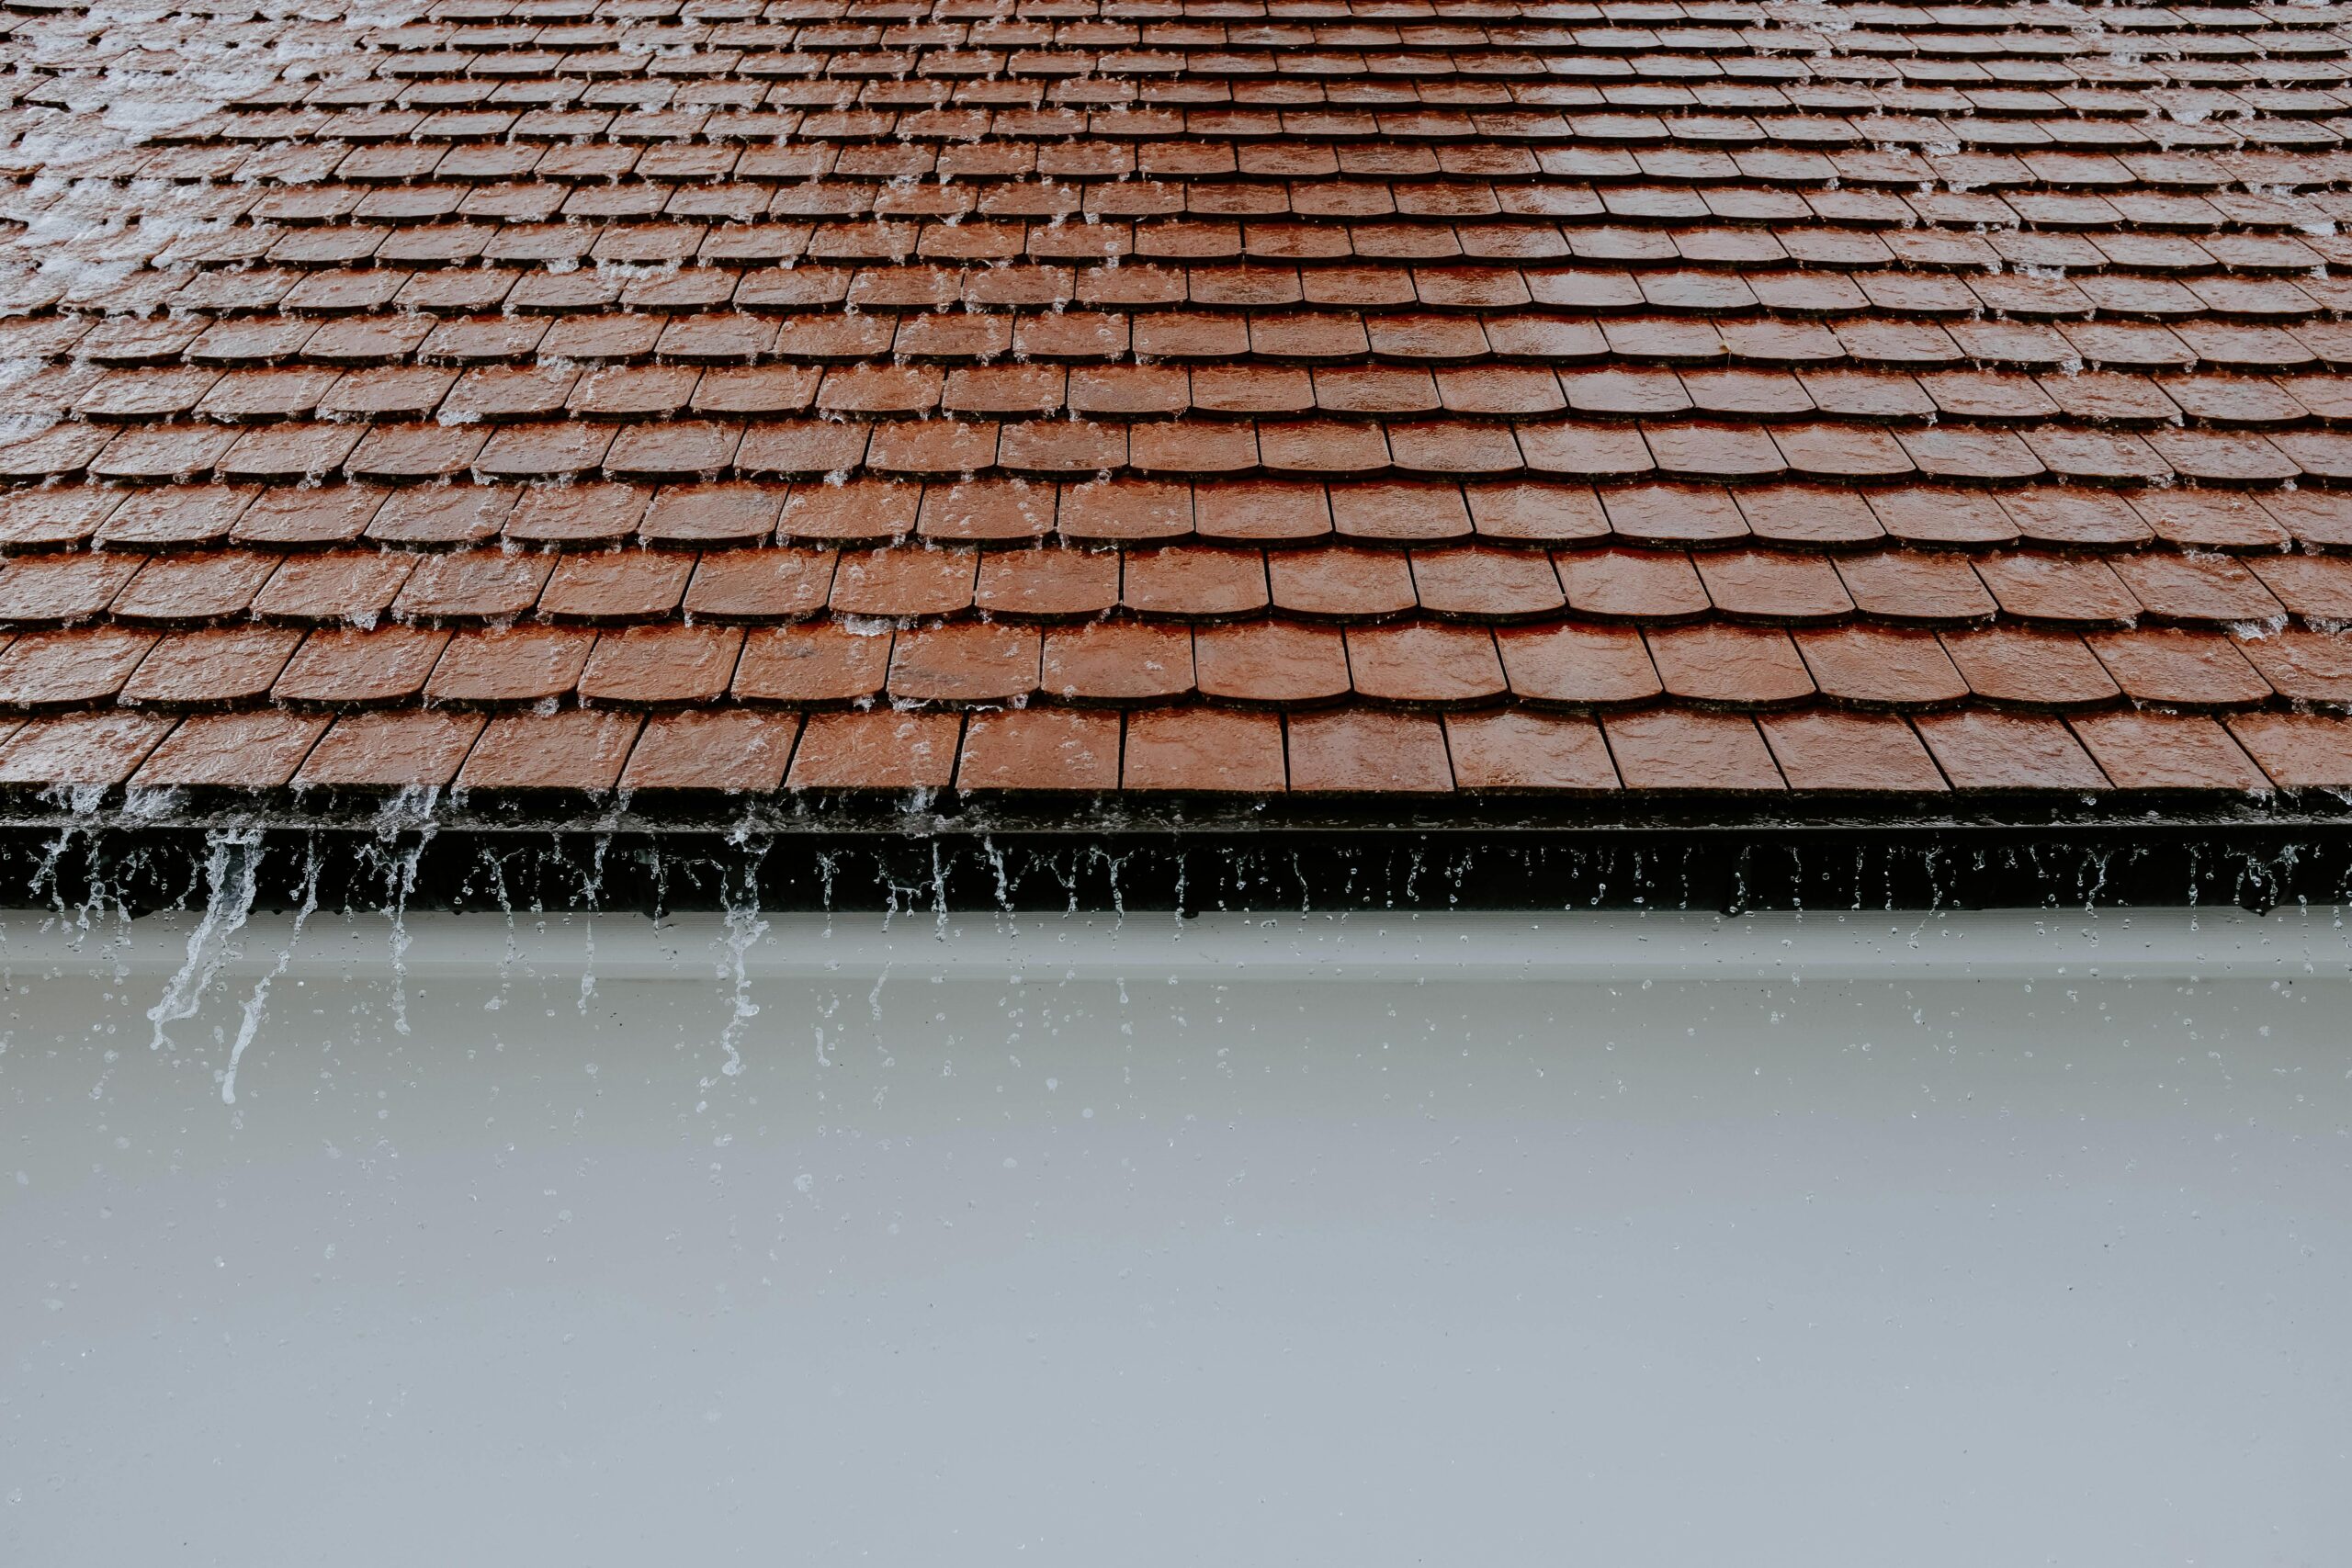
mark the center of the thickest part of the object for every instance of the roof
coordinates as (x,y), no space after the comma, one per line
(1177,395)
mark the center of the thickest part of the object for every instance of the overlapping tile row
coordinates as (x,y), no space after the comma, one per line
(1247,398)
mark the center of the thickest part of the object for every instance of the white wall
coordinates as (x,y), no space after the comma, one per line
(1465,1241)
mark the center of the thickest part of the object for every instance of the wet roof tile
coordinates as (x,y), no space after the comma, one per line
(746,395)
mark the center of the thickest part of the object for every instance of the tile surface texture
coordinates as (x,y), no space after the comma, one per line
(1354,398)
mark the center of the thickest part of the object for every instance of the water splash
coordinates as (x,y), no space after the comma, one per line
(231,866)
(745,926)
(411,808)
(591,897)
(257,1003)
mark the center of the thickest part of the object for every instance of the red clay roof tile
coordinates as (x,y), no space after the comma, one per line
(2177,668)
(509,667)
(2153,750)
(524,326)
(69,669)
(259,749)
(1355,751)
(2008,751)
(80,749)
(2298,750)
(392,751)
(1729,665)
(1518,751)
(660,666)
(1673,749)
(1040,748)
(1210,750)
(821,663)
(879,749)
(1880,667)
(1835,751)
(211,667)
(729,751)
(1424,663)
(2312,667)
(572,750)
(348,667)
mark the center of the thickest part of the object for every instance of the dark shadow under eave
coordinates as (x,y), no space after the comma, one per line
(911,854)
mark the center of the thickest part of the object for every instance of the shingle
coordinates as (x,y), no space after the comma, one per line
(1211,751)
(1352,751)
(2304,666)
(1271,662)
(1838,753)
(1424,663)
(1881,667)
(821,663)
(57,669)
(514,666)
(731,751)
(1494,365)
(1578,666)
(2025,667)
(80,749)
(1516,751)
(2152,750)
(2298,750)
(2176,668)
(1678,749)
(1040,748)
(259,749)
(575,750)
(879,750)
(212,667)
(390,751)
(2008,751)
(1730,666)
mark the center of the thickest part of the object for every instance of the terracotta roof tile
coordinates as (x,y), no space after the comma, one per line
(729,751)
(260,749)
(2304,666)
(573,750)
(660,666)
(1681,750)
(2184,668)
(2298,750)
(352,669)
(69,669)
(1881,667)
(1354,751)
(211,667)
(80,749)
(2008,751)
(1212,751)
(1730,666)
(392,751)
(1040,748)
(513,666)
(1275,661)
(1516,751)
(879,749)
(968,662)
(1835,751)
(1660,365)
(1424,663)
(2016,665)
(2152,751)
(821,663)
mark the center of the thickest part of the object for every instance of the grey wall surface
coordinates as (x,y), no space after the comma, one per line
(1472,1242)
